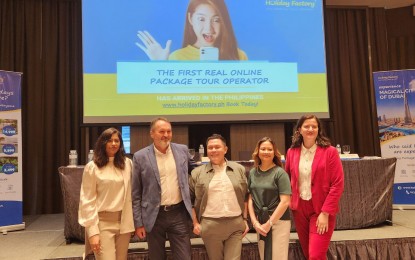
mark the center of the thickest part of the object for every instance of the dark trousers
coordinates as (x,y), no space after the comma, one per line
(176,224)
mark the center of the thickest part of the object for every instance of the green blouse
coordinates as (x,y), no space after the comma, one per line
(265,188)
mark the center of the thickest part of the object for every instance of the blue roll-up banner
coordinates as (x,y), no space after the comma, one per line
(11,195)
(395,98)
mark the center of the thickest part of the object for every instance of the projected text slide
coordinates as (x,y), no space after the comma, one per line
(198,77)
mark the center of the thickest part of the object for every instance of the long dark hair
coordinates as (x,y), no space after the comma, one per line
(277,155)
(100,155)
(226,42)
(322,140)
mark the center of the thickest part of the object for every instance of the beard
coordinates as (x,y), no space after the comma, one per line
(164,143)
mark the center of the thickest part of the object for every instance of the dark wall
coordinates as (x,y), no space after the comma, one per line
(400,22)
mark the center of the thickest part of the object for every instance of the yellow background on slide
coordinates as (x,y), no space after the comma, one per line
(101,99)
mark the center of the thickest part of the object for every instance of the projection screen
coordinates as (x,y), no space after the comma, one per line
(203,60)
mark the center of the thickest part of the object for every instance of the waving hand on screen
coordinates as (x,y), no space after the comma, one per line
(151,47)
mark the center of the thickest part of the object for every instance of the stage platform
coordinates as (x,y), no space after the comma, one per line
(43,238)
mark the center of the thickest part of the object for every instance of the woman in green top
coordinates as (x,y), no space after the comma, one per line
(269,200)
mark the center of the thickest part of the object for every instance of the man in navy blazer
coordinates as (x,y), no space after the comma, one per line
(160,193)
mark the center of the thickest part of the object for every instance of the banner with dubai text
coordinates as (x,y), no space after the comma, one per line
(11,201)
(395,98)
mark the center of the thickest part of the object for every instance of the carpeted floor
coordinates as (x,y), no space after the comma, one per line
(43,237)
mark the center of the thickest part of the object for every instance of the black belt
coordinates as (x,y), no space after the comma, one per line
(171,207)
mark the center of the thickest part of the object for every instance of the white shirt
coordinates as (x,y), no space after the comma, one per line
(222,201)
(170,191)
(306,162)
(102,189)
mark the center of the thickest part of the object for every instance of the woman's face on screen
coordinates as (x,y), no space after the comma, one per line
(206,25)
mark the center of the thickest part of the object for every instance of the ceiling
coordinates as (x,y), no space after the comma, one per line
(388,4)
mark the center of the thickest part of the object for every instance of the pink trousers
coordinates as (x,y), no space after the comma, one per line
(314,245)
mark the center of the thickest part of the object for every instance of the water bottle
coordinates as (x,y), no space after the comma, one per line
(201,151)
(90,155)
(73,158)
(339,149)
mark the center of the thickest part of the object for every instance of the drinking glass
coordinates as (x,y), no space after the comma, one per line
(192,153)
(346,149)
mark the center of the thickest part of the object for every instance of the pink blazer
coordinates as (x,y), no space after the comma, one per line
(327,179)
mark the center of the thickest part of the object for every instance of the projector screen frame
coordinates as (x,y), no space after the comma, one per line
(212,118)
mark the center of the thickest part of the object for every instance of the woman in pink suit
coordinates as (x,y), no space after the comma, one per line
(317,182)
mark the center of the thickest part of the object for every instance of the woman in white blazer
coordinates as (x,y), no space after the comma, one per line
(105,208)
